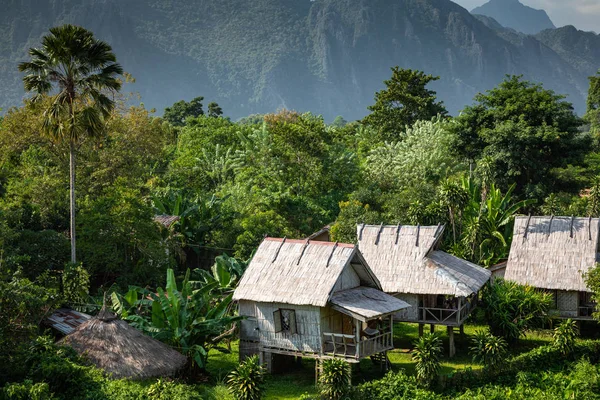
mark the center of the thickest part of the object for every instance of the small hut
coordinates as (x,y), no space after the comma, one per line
(313,299)
(441,288)
(553,254)
(123,351)
(322,235)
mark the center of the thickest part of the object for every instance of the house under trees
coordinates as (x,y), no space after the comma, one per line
(313,299)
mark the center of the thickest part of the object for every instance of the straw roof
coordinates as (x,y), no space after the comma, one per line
(122,350)
(299,272)
(404,260)
(553,252)
(366,303)
(166,220)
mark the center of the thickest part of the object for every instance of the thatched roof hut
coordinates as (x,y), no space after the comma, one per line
(166,220)
(405,260)
(123,351)
(303,272)
(553,252)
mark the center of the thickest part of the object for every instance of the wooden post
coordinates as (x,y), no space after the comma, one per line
(451,348)
(421,330)
(358,329)
(462,330)
(432,328)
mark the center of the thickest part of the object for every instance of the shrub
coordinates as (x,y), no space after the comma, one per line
(395,386)
(427,352)
(335,379)
(488,349)
(512,309)
(26,390)
(246,381)
(565,335)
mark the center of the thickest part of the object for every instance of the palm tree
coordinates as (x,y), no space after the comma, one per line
(76,72)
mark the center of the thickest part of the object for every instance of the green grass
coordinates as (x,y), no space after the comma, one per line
(299,379)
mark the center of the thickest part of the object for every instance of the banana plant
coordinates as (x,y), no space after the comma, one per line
(226,272)
(190,317)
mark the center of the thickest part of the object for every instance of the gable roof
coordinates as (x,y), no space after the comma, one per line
(552,252)
(299,272)
(404,260)
(364,303)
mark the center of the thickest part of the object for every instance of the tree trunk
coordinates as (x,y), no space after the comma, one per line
(72,199)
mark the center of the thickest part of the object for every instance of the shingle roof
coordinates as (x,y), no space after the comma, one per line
(404,260)
(553,252)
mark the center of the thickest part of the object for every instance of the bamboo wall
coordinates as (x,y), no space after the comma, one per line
(260,327)
(348,279)
(411,313)
(567,303)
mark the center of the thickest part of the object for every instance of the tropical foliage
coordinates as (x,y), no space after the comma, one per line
(488,349)
(246,381)
(512,309)
(564,336)
(334,380)
(427,352)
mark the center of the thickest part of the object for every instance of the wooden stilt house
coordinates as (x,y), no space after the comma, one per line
(313,299)
(553,254)
(441,288)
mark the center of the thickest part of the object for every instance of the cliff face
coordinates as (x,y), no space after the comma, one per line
(325,56)
(513,14)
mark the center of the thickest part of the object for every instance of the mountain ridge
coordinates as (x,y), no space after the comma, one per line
(514,14)
(324,56)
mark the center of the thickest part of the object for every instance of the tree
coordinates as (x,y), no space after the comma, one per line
(214,110)
(80,70)
(180,111)
(524,132)
(592,115)
(404,101)
(592,281)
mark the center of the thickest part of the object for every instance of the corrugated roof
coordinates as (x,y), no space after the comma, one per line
(404,261)
(66,320)
(299,272)
(553,252)
(367,303)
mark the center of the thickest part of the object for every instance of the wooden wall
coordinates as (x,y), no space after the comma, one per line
(260,327)
(411,313)
(348,279)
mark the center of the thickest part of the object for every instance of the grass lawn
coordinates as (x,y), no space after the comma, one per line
(301,378)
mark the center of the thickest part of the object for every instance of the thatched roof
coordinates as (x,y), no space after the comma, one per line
(123,351)
(365,303)
(405,261)
(552,252)
(299,272)
(166,220)
(323,235)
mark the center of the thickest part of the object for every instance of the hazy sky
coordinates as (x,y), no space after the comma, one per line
(583,14)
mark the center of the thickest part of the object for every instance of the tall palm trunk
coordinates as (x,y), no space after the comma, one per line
(72,198)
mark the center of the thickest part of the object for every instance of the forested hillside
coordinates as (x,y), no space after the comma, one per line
(324,56)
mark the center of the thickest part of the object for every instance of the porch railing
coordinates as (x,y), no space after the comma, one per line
(341,345)
(376,344)
(444,315)
(586,311)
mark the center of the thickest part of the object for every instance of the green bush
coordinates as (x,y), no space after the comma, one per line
(565,335)
(26,390)
(512,309)
(246,381)
(334,381)
(488,349)
(395,386)
(427,352)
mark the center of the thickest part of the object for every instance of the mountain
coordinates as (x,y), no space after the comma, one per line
(513,14)
(324,56)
